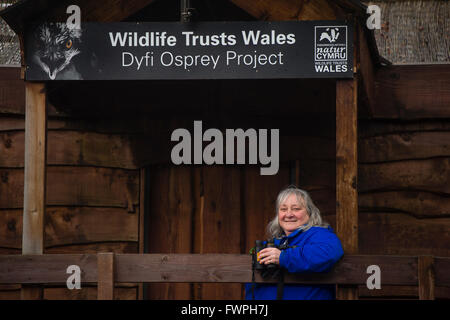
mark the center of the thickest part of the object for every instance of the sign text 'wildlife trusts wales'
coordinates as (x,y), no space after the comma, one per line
(204,50)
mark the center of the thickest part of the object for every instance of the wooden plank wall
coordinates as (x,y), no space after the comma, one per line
(224,209)
(94,180)
(92,187)
(404,169)
(404,188)
(94,183)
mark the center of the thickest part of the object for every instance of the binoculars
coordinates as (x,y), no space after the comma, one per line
(259,245)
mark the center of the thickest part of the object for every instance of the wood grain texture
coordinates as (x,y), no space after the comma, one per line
(416,175)
(12,91)
(237,268)
(346,165)
(85,148)
(396,292)
(35,169)
(441,274)
(87,293)
(77,186)
(412,92)
(46,268)
(73,226)
(116,247)
(170,228)
(105,276)
(221,230)
(426,277)
(34,182)
(404,146)
(419,204)
(222,268)
(401,234)
(346,173)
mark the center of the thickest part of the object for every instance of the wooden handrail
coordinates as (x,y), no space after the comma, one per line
(108,268)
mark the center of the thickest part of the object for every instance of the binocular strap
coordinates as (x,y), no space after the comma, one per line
(280,286)
(253,275)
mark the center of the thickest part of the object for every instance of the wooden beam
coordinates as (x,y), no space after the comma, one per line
(289,10)
(201,268)
(46,268)
(105,276)
(35,168)
(346,172)
(426,277)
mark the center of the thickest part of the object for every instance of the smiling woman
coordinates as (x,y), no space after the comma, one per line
(303,243)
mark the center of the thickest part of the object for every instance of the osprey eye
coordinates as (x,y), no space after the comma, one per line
(69,44)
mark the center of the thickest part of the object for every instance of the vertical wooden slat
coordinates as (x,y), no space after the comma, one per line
(105,269)
(220,226)
(34,184)
(170,231)
(346,173)
(426,277)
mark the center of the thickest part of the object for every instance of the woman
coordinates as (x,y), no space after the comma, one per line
(312,247)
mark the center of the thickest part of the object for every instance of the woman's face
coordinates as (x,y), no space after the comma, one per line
(291,214)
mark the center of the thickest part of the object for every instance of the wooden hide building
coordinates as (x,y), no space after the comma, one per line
(374,153)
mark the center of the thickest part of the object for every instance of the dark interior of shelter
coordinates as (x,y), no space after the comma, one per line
(112,187)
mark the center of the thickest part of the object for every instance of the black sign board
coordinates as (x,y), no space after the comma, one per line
(204,50)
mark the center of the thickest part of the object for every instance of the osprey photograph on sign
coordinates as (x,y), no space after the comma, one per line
(206,50)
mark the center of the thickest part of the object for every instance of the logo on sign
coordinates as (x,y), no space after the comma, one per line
(330,48)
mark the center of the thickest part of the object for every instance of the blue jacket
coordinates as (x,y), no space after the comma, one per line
(317,250)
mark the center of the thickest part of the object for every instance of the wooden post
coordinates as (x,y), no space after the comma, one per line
(105,270)
(426,277)
(346,173)
(34,184)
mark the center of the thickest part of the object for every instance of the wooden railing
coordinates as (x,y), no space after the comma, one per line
(106,269)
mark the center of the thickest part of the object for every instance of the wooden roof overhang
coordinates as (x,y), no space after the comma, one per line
(366,60)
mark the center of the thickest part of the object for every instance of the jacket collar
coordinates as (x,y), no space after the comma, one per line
(294,234)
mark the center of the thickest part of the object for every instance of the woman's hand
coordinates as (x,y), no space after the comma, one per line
(269,255)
